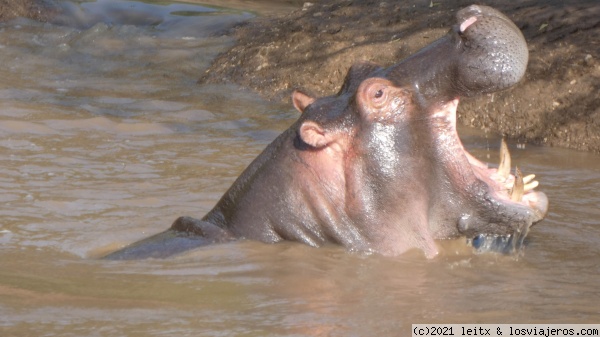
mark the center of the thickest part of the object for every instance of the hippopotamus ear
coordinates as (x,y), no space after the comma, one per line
(301,100)
(313,134)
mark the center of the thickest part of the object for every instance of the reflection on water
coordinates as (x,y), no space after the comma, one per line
(105,138)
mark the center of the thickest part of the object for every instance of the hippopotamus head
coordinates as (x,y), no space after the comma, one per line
(379,166)
(403,161)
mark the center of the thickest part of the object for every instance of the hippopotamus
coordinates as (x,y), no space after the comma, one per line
(379,166)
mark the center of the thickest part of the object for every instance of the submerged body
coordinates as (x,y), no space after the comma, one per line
(379,167)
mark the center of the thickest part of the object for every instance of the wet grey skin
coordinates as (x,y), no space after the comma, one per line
(379,166)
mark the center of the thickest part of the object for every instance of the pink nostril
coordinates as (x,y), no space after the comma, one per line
(467,23)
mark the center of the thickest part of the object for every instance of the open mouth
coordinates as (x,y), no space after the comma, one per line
(512,203)
(509,187)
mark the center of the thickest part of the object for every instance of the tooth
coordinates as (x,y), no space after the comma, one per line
(518,189)
(528,178)
(531,185)
(504,167)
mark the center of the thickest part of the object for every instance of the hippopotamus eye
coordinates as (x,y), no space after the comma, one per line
(374,93)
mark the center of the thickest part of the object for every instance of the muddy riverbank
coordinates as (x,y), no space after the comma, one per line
(557,104)
(38,10)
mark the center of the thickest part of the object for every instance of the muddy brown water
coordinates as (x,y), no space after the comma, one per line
(105,139)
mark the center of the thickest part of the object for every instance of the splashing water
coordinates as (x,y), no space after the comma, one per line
(512,244)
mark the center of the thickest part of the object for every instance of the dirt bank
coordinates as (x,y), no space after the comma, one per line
(33,9)
(558,103)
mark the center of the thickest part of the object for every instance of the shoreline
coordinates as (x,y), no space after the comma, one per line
(556,104)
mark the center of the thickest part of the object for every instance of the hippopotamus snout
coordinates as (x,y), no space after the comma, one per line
(493,52)
(482,53)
